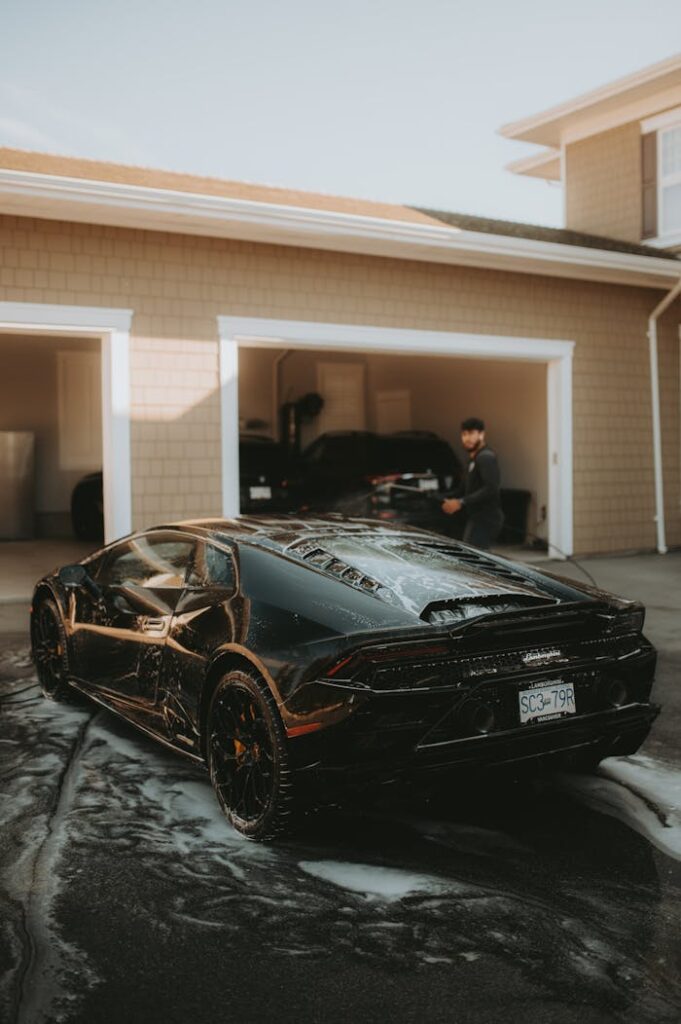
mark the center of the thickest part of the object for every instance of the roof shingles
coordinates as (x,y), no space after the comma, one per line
(537,233)
(95,170)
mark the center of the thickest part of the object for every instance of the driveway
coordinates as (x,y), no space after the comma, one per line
(126,897)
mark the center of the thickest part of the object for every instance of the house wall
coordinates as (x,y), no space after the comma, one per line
(29,401)
(603,184)
(177,285)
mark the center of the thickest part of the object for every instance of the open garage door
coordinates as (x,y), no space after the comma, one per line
(50,391)
(64,391)
(431,380)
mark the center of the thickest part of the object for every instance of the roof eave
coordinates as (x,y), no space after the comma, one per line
(545,164)
(630,98)
(130,206)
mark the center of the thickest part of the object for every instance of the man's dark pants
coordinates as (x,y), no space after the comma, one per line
(481,531)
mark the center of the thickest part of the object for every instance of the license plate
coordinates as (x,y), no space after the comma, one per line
(546,700)
(260,492)
(428,483)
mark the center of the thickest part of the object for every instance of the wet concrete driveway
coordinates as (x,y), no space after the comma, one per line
(126,897)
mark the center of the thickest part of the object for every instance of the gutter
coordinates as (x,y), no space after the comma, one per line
(657,430)
(24,193)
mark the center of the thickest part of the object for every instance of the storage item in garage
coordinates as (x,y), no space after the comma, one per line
(515,505)
(17,484)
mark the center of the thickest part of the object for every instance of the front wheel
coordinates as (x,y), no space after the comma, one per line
(48,641)
(248,757)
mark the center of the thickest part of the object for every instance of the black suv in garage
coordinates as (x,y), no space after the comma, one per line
(395,477)
(262,486)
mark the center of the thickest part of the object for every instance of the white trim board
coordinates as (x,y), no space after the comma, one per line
(647,86)
(29,194)
(291,334)
(112,327)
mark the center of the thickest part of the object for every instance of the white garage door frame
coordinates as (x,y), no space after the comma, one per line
(112,327)
(235,331)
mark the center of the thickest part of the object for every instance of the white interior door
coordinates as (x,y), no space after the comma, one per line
(341,385)
(80,410)
(393,411)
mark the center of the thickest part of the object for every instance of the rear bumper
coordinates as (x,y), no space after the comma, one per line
(563,742)
(604,733)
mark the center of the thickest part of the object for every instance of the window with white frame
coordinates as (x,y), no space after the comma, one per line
(669,180)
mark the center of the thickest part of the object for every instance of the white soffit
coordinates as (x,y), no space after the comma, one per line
(27,194)
(545,164)
(634,97)
(660,121)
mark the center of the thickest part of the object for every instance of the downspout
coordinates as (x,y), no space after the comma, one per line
(657,431)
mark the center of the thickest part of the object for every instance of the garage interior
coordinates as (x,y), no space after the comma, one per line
(394,392)
(50,437)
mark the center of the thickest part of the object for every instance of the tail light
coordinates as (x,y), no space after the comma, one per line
(338,666)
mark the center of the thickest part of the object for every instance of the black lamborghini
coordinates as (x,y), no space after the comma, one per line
(293,656)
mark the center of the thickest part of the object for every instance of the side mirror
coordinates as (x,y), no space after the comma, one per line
(72,575)
(77,576)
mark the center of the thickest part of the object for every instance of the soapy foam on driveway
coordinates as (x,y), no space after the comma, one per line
(641,791)
(372,881)
(382,890)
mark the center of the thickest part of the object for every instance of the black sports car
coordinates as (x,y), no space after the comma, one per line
(291,654)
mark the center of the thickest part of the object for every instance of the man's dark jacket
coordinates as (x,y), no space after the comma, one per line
(481,497)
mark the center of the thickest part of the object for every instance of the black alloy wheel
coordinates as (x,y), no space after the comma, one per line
(248,757)
(49,651)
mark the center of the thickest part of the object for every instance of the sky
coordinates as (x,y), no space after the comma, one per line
(396,100)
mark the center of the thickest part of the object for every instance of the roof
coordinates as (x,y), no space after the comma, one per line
(41,185)
(172,181)
(538,233)
(645,92)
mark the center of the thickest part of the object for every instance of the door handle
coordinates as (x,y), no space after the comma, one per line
(151,624)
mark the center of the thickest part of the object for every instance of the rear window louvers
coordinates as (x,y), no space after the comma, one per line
(311,553)
(480,561)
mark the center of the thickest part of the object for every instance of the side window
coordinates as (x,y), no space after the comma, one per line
(212,567)
(94,565)
(148,561)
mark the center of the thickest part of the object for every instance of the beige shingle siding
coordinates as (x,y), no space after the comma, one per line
(603,184)
(177,285)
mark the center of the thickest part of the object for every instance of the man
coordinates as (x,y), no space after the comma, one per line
(481,497)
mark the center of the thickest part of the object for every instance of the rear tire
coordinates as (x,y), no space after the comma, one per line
(247,753)
(48,641)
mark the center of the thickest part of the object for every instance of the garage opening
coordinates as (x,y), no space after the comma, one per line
(418,401)
(384,381)
(50,453)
